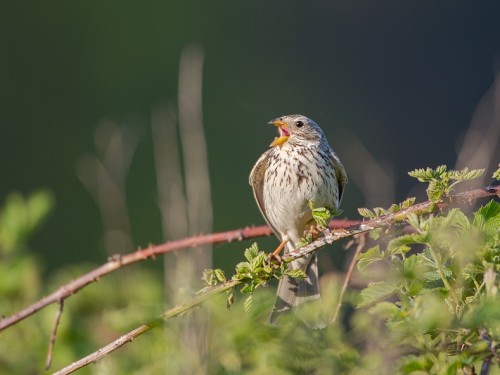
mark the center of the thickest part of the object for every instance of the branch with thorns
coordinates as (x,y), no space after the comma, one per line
(117,262)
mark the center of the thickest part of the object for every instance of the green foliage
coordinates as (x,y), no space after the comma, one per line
(441,181)
(430,304)
(246,344)
(322,215)
(91,318)
(436,302)
(379,211)
(257,271)
(20,217)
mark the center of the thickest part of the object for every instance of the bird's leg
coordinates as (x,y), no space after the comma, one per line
(276,253)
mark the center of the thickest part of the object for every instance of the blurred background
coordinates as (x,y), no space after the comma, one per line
(394,85)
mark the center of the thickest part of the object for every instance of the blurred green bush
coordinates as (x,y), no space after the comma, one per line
(431,305)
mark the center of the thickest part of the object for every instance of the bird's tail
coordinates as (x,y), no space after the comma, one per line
(293,292)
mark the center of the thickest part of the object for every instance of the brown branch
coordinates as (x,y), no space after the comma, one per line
(54,335)
(118,343)
(120,261)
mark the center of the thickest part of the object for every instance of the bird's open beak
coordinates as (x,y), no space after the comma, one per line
(284,133)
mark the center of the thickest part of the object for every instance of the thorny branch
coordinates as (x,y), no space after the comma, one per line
(119,261)
(330,236)
(396,217)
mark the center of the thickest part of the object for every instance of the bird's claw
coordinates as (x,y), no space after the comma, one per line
(274,258)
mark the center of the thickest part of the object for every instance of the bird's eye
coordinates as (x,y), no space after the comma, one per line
(299,123)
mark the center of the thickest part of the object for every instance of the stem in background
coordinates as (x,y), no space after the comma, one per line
(53,335)
(360,246)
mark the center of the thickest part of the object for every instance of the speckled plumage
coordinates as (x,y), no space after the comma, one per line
(299,167)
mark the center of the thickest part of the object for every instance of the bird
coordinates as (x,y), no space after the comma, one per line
(299,169)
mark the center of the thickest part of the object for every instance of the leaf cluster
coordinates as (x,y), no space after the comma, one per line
(257,271)
(379,211)
(437,301)
(321,215)
(442,181)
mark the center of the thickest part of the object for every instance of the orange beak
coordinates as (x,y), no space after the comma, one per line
(284,133)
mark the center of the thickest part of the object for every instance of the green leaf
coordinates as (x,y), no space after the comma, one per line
(208,277)
(242,271)
(376,292)
(368,257)
(385,310)
(431,276)
(321,216)
(252,251)
(247,288)
(375,233)
(306,240)
(496,174)
(413,364)
(407,203)
(428,174)
(401,244)
(365,212)
(440,180)
(219,274)
(488,211)
(247,305)
(465,174)
(298,273)
(379,211)
(230,299)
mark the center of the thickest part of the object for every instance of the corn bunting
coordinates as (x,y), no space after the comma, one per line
(299,169)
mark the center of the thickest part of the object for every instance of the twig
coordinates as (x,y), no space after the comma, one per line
(118,343)
(128,337)
(347,279)
(54,335)
(118,262)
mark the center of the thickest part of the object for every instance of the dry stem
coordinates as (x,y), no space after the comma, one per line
(54,335)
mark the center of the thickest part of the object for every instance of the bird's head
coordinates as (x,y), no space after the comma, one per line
(295,128)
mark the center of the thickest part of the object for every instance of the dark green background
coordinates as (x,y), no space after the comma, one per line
(404,77)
